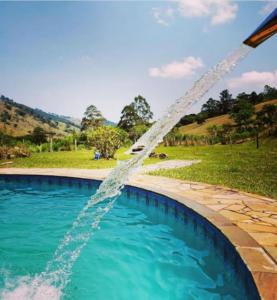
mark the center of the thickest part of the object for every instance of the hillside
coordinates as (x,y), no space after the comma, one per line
(202,129)
(18,120)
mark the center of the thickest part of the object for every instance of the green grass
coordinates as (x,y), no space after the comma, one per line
(67,159)
(237,166)
(240,166)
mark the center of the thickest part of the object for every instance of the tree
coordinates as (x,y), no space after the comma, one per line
(266,118)
(142,108)
(242,113)
(211,108)
(201,118)
(93,118)
(5,117)
(187,119)
(226,102)
(107,139)
(269,92)
(39,135)
(226,134)
(129,118)
(136,113)
(221,133)
(255,98)
(268,115)
(137,131)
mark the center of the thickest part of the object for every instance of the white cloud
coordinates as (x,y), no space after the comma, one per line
(268,7)
(254,79)
(163,16)
(219,11)
(177,69)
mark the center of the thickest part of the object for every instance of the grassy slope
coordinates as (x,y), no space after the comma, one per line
(239,166)
(197,129)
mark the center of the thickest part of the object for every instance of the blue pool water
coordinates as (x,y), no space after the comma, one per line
(148,246)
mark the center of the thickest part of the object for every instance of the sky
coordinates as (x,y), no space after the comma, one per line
(63,56)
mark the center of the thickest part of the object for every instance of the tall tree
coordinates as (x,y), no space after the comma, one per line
(211,108)
(136,113)
(142,108)
(93,118)
(268,115)
(270,92)
(226,102)
(266,118)
(39,135)
(242,113)
(187,119)
(255,98)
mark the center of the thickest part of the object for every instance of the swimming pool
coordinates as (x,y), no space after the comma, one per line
(149,246)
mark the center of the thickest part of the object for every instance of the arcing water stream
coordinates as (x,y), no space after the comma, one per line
(50,283)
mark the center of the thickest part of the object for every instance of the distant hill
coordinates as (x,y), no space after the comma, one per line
(18,120)
(202,129)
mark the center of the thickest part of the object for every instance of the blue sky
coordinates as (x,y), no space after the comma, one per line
(64,56)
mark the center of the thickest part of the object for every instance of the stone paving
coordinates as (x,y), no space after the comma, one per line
(249,221)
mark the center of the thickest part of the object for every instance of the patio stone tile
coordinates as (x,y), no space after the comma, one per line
(262,207)
(217,207)
(267,283)
(265,239)
(257,259)
(238,237)
(234,216)
(269,220)
(272,251)
(256,214)
(253,227)
(236,207)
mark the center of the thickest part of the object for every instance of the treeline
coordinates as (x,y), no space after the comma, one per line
(226,103)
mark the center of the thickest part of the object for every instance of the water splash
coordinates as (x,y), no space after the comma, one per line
(50,283)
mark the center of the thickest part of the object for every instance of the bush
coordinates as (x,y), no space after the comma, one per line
(13,152)
(173,138)
(107,140)
(5,117)
(81,147)
(137,131)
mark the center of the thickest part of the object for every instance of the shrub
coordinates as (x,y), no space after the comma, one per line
(173,138)
(81,147)
(13,152)
(137,131)
(5,117)
(106,140)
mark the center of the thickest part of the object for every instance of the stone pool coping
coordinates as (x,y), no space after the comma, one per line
(248,221)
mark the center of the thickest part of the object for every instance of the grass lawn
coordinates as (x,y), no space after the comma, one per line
(237,166)
(241,166)
(82,159)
